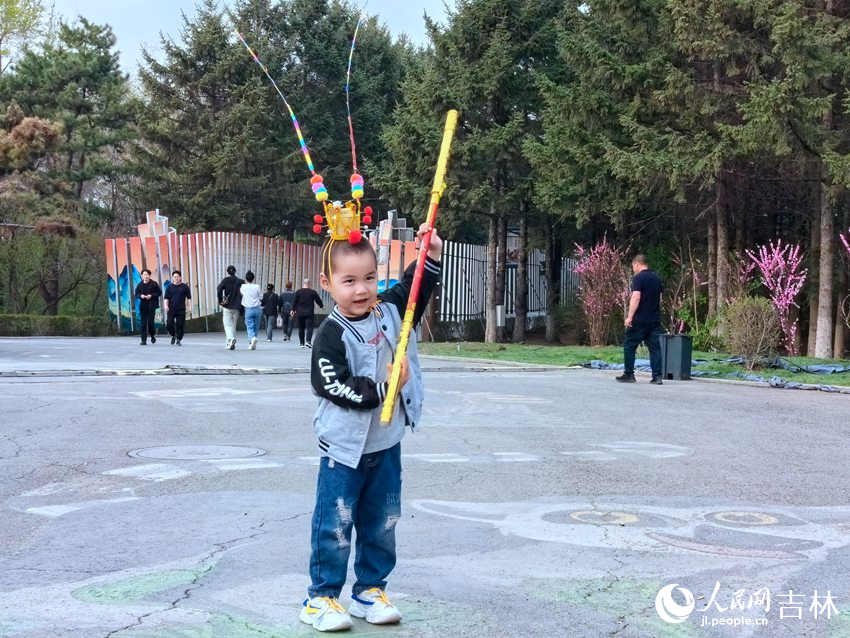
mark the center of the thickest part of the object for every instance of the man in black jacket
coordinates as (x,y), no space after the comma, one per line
(231,305)
(177,303)
(302,307)
(148,293)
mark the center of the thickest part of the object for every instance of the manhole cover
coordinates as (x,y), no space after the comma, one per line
(196,452)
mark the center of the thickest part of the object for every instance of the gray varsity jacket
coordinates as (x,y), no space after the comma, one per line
(342,364)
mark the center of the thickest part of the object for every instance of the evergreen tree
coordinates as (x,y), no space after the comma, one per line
(220,150)
(483,64)
(77,83)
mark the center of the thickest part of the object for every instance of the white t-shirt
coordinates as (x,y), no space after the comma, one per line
(250,295)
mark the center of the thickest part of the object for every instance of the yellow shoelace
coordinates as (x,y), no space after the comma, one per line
(382,595)
(333,604)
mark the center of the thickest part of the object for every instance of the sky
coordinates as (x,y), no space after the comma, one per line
(138,23)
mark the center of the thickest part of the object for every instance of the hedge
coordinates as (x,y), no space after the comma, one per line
(58,326)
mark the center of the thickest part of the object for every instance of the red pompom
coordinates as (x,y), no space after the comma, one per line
(367,211)
(367,220)
(317,229)
(356,178)
(316,179)
(355,236)
(318,219)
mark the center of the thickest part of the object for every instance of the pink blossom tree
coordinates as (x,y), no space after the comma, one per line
(781,273)
(603,287)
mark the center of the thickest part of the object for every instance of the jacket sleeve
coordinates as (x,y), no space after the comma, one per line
(318,299)
(332,379)
(399,293)
(138,291)
(157,291)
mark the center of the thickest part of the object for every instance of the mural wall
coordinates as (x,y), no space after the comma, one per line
(202,258)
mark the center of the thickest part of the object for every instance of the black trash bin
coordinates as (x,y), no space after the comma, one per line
(676,357)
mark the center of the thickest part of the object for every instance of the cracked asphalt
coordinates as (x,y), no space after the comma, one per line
(164,492)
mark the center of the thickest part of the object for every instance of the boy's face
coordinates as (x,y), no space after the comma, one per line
(355,283)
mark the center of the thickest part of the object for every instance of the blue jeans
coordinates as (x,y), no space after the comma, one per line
(651,334)
(367,499)
(252,320)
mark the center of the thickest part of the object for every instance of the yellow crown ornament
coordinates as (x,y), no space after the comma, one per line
(343,220)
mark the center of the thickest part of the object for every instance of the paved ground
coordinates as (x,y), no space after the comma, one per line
(139,501)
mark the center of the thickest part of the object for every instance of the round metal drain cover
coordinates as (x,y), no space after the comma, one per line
(197,452)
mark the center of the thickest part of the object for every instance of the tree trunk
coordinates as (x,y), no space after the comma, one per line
(501,274)
(722,243)
(841,327)
(711,237)
(553,281)
(823,341)
(814,282)
(48,288)
(521,301)
(490,332)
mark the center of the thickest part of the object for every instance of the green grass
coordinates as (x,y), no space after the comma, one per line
(559,355)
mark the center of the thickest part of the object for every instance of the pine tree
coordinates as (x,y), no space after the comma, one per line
(77,83)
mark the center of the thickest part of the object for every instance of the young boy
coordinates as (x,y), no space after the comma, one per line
(359,484)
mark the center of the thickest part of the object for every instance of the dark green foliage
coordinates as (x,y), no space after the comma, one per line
(56,326)
(220,151)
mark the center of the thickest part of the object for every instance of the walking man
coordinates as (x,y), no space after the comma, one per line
(285,310)
(177,302)
(148,293)
(643,321)
(231,305)
(302,307)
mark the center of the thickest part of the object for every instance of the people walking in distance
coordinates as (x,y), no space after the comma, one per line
(251,302)
(231,305)
(359,484)
(177,303)
(643,321)
(303,308)
(148,293)
(269,302)
(285,310)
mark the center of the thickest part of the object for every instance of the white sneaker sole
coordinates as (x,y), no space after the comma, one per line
(315,622)
(390,616)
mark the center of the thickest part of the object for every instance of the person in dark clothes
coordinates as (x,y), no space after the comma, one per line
(285,310)
(148,293)
(177,303)
(643,321)
(269,303)
(231,305)
(302,307)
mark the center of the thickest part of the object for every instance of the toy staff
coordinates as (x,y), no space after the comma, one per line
(407,322)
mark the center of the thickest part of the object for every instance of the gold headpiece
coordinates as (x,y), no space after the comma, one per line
(343,220)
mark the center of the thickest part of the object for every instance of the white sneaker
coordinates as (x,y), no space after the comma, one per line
(325,614)
(374,605)
(253,345)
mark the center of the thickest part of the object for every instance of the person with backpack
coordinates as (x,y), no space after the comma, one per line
(285,310)
(231,305)
(269,303)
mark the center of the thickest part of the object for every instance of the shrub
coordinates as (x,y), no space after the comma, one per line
(752,329)
(55,326)
(603,287)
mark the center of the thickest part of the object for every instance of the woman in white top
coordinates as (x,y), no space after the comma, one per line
(251,297)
